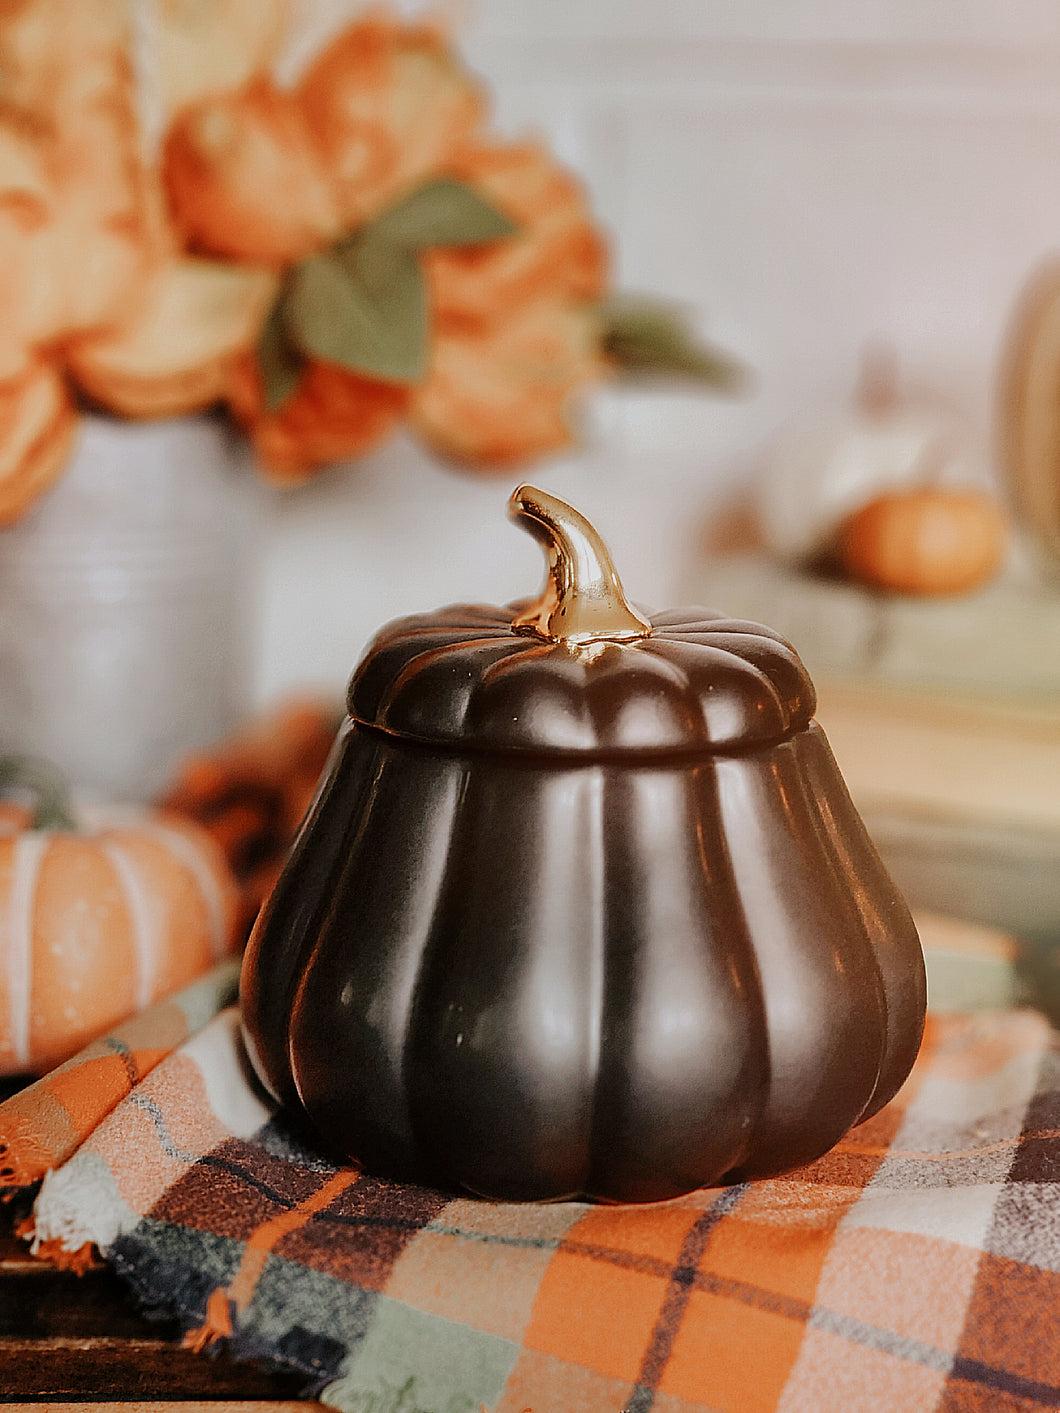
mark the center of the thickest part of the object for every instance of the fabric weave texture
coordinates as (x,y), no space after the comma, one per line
(916,1266)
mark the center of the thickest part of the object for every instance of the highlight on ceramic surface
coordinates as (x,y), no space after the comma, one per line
(583,907)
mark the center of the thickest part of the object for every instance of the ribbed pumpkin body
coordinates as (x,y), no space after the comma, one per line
(95,925)
(597,923)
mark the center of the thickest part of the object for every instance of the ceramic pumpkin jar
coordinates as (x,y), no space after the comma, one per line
(582,906)
(101,913)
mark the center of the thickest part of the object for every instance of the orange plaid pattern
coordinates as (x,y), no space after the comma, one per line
(43,1125)
(914,1267)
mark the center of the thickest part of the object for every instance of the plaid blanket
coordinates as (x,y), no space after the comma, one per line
(43,1125)
(914,1267)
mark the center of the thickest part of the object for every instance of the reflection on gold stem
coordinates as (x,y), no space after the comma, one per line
(583,600)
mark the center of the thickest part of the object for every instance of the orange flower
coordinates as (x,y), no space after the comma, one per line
(176,353)
(332,416)
(388,105)
(27,213)
(52,52)
(72,245)
(210,47)
(515,330)
(74,248)
(150,289)
(501,396)
(557,251)
(246,181)
(37,426)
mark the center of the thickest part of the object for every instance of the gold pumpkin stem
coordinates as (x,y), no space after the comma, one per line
(583,600)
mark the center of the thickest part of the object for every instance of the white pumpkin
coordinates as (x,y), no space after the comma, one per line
(819,474)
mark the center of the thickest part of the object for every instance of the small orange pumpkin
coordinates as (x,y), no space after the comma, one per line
(925,540)
(98,918)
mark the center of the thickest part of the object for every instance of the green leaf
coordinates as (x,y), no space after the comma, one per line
(362,306)
(281,363)
(644,337)
(444,212)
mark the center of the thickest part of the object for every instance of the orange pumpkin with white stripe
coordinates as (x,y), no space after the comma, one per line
(98,921)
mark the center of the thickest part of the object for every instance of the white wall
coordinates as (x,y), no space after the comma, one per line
(805,176)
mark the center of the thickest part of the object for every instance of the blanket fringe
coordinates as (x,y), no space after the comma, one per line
(24,1159)
(217,1325)
(78,1260)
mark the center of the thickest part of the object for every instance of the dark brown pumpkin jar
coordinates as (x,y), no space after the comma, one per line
(583,907)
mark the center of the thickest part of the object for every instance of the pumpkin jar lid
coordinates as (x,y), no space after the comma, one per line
(580,670)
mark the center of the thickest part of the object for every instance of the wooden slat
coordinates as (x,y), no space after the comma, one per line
(39,1302)
(70,1337)
(75,1369)
(196,1406)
